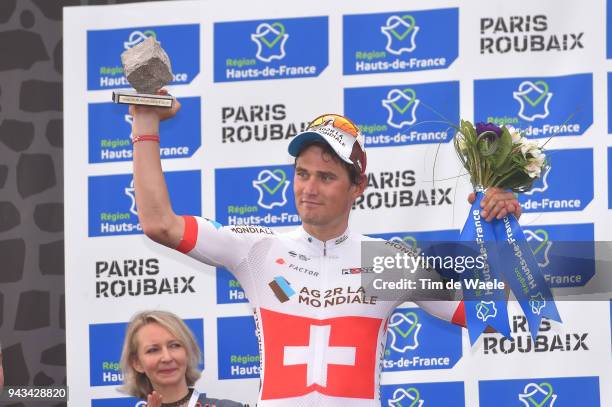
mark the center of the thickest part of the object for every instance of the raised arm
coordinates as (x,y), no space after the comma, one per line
(158,220)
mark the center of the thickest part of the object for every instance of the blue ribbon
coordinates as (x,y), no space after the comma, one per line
(483,307)
(523,274)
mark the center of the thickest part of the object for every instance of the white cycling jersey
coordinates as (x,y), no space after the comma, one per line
(321,336)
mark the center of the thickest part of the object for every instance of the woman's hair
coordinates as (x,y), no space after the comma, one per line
(137,384)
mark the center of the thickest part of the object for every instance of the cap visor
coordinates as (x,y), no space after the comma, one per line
(298,141)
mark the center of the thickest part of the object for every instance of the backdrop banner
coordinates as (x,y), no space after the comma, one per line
(250,77)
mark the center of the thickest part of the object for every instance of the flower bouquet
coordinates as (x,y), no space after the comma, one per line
(501,157)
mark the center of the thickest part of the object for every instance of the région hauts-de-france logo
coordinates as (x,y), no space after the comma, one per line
(538,395)
(540,239)
(400,41)
(541,392)
(537,302)
(136,37)
(400,32)
(486,310)
(265,197)
(272,187)
(401,105)
(118,402)
(562,187)
(270,40)
(406,397)
(534,98)
(409,241)
(104,70)
(130,192)
(541,185)
(403,330)
(405,113)
(109,128)
(540,107)
(270,49)
(112,203)
(422,394)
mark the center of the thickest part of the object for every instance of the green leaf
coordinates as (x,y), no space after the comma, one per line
(468,131)
(502,153)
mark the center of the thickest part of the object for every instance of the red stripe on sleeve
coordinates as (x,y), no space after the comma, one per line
(190,235)
(459,315)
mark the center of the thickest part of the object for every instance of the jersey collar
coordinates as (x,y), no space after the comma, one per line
(320,245)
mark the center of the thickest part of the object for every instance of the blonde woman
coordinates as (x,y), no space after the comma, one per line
(160,362)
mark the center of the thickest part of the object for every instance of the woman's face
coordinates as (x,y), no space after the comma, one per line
(160,356)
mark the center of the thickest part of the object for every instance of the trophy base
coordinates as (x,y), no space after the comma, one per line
(142,99)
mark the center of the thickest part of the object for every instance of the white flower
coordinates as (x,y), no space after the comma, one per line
(533,169)
(535,165)
(529,146)
(539,157)
(516,136)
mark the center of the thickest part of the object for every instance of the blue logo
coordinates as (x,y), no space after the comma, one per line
(105,342)
(400,42)
(112,201)
(404,114)
(119,402)
(565,253)
(229,290)
(486,310)
(542,392)
(539,107)
(238,351)
(450,394)
(271,49)
(562,187)
(417,341)
(265,196)
(104,48)
(110,126)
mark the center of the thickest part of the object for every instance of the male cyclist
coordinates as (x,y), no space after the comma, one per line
(321,335)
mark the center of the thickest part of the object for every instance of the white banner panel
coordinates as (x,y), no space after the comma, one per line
(249,77)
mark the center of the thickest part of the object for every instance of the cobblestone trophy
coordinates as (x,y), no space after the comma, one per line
(147,68)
